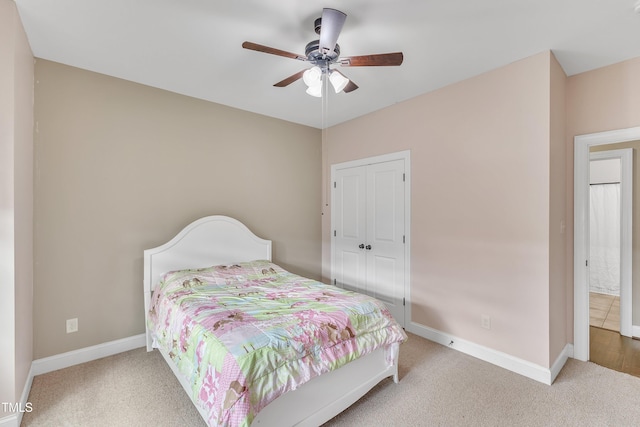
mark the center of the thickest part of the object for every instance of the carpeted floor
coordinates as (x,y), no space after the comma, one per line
(438,387)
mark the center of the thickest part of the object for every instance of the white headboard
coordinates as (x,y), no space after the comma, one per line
(208,241)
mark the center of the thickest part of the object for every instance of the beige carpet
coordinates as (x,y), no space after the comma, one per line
(438,387)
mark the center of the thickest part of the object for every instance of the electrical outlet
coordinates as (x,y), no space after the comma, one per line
(72,325)
(485,321)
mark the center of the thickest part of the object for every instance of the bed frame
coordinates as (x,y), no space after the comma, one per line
(223,240)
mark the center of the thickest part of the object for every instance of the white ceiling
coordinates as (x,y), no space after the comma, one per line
(193,47)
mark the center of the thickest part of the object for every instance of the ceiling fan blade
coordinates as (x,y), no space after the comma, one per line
(332,22)
(381,59)
(290,79)
(351,86)
(272,51)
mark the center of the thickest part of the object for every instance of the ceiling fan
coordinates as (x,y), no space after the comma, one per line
(325,52)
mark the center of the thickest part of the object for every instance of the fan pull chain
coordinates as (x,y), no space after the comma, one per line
(325,146)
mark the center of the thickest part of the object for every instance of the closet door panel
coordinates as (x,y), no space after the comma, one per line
(382,278)
(350,229)
(385,234)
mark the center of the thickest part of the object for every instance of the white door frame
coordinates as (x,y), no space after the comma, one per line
(400,155)
(582,144)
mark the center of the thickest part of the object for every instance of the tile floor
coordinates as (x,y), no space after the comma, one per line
(604,311)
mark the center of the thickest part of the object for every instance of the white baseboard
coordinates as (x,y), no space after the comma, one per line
(10,421)
(64,360)
(567,352)
(87,354)
(14,420)
(635,331)
(503,360)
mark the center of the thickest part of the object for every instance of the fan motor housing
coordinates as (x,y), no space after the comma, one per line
(312,51)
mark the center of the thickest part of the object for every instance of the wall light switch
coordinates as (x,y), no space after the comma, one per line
(72,325)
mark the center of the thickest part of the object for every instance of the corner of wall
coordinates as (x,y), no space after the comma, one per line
(559,285)
(16,208)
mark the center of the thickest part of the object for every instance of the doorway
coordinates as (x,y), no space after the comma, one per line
(583,144)
(604,239)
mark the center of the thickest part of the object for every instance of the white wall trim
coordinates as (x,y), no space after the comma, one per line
(498,358)
(582,143)
(15,419)
(25,394)
(65,360)
(565,354)
(87,354)
(10,421)
(635,331)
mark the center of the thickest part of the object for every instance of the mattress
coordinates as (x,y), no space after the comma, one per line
(242,335)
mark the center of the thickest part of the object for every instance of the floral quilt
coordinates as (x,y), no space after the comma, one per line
(244,334)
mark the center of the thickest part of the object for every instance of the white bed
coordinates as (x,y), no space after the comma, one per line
(224,240)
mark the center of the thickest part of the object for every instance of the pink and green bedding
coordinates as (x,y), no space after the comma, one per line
(244,334)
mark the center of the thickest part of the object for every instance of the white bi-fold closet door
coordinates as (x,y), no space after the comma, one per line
(369,231)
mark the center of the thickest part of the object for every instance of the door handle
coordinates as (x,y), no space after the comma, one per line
(361,246)
(368,247)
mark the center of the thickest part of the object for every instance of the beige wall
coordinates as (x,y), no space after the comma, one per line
(16,205)
(123,167)
(481,203)
(558,287)
(601,100)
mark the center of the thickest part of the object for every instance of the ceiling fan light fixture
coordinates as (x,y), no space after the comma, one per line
(313,77)
(338,81)
(315,90)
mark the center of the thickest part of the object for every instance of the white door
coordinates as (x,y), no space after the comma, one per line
(369,232)
(350,232)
